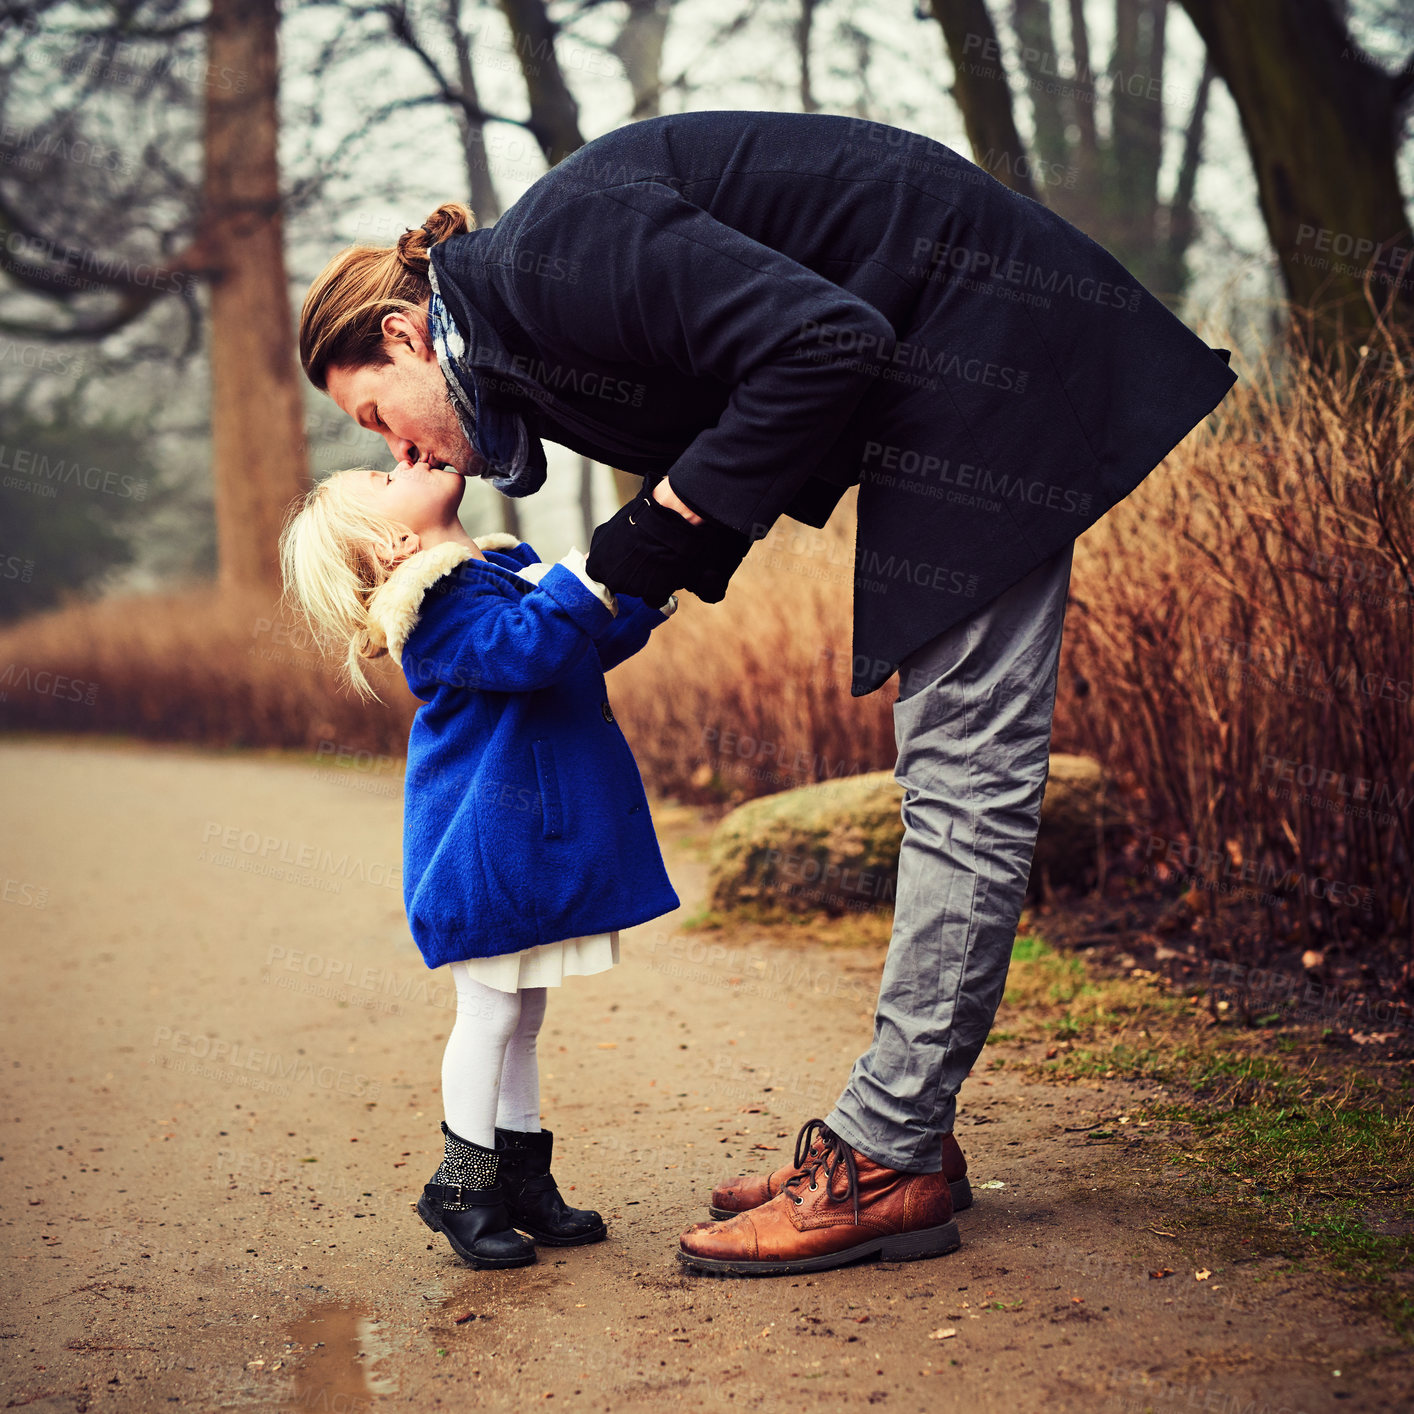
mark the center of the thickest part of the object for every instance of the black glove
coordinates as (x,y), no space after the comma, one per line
(719,553)
(649,550)
(643,549)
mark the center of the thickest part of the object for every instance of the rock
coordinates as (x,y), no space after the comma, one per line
(833,847)
(1067,845)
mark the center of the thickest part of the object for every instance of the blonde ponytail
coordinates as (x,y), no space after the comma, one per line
(341,321)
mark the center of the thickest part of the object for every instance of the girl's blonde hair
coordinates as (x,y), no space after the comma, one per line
(334,552)
(341,321)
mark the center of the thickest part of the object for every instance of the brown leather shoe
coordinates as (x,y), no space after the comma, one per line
(739,1195)
(810,1226)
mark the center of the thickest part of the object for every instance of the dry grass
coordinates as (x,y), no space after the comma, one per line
(221,670)
(1240,652)
(1243,621)
(751,696)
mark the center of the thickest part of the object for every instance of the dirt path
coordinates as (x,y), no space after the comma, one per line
(222,1100)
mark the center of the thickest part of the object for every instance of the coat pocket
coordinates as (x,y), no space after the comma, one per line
(551,806)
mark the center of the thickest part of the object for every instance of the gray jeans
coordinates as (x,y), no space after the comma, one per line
(973,727)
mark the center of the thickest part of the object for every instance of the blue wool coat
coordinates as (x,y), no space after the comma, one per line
(772,307)
(525,819)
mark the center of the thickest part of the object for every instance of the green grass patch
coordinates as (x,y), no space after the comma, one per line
(1289,1144)
(1330,1174)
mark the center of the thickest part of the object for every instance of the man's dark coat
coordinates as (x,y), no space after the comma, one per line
(775,306)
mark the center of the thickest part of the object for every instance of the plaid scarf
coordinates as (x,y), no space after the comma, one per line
(515,459)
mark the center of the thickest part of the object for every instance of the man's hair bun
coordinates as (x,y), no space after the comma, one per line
(449,219)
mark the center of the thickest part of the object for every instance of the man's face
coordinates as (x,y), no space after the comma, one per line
(407,402)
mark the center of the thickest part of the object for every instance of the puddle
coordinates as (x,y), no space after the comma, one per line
(340,1346)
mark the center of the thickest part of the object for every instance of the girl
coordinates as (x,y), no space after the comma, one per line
(527,839)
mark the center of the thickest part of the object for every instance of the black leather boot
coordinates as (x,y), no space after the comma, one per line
(466,1204)
(533,1198)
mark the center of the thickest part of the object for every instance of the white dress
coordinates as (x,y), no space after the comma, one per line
(548,964)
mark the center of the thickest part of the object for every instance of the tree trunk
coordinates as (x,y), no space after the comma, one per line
(1032,21)
(554,114)
(981,92)
(1087,150)
(638,46)
(1136,146)
(485,202)
(804,27)
(1171,271)
(1322,122)
(258,454)
(586,498)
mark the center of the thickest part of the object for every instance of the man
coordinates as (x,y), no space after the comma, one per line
(755,311)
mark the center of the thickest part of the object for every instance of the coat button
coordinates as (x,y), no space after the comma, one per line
(607,711)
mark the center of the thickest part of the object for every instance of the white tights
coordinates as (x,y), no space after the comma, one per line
(489,1071)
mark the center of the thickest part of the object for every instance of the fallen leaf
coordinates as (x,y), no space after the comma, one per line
(943,1333)
(1203,1275)
(992,1183)
(1161,1273)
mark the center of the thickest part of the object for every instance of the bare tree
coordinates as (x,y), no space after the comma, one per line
(1323,122)
(258,456)
(148,232)
(981,91)
(638,46)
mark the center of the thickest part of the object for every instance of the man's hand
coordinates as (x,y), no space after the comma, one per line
(665,495)
(649,549)
(644,549)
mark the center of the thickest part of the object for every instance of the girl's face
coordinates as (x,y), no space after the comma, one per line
(416,496)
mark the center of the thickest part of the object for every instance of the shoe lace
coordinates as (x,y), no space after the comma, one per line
(818,1148)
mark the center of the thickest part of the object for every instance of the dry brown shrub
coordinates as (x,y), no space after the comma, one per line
(1240,623)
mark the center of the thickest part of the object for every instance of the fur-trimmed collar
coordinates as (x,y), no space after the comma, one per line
(394,606)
